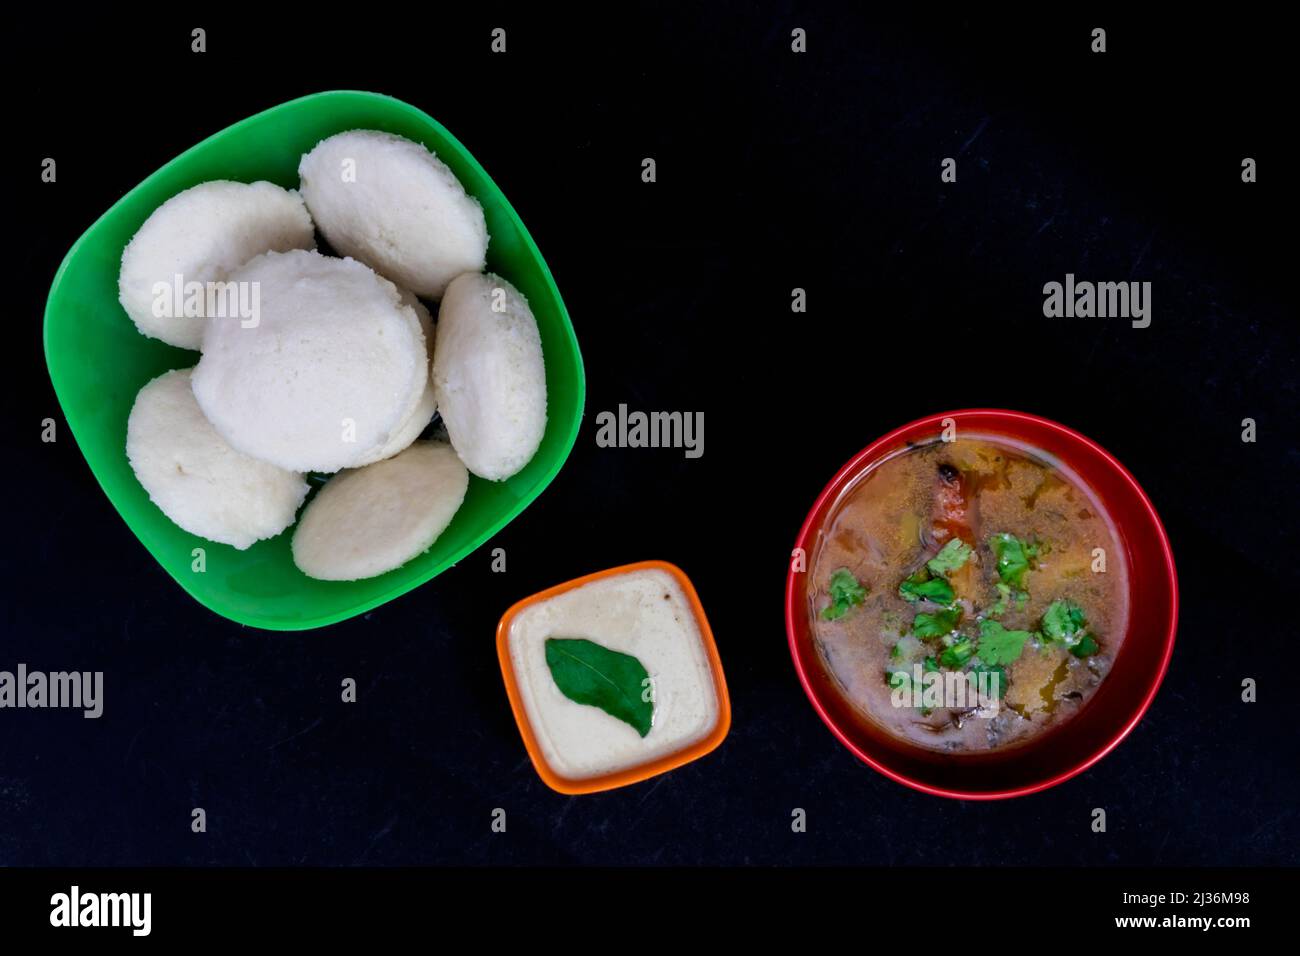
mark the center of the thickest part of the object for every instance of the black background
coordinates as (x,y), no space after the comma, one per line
(775,171)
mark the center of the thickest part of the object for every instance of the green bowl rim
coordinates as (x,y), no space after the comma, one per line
(478,541)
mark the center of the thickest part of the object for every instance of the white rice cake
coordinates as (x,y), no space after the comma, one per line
(202,235)
(334,365)
(419,420)
(374,519)
(196,478)
(489,375)
(392,204)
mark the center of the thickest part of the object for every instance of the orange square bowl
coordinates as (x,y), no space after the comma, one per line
(651,768)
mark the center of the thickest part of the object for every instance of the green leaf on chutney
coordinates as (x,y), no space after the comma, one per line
(588,673)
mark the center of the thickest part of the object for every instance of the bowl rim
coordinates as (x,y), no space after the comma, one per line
(870,455)
(642,771)
(568,441)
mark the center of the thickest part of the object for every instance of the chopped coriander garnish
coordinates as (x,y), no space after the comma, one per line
(998,645)
(845,592)
(999,607)
(1006,597)
(941,622)
(1063,620)
(929,665)
(928,582)
(920,586)
(953,555)
(999,686)
(958,653)
(1014,558)
(1086,647)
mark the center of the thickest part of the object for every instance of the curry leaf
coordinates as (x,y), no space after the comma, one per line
(589,673)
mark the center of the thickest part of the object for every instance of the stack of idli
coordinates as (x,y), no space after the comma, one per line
(330,364)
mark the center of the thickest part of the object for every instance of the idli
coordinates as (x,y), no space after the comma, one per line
(395,206)
(374,519)
(200,236)
(335,364)
(428,403)
(489,376)
(196,478)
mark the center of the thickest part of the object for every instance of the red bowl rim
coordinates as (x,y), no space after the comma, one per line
(868,455)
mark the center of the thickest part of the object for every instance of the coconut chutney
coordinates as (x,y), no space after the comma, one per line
(644,613)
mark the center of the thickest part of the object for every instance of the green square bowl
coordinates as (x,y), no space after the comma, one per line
(98,361)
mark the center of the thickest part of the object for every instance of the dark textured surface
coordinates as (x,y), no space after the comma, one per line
(819,171)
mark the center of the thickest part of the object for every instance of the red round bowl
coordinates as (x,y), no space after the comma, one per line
(1119,701)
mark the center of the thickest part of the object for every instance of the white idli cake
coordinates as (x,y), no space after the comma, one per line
(419,420)
(395,206)
(489,376)
(202,235)
(335,364)
(196,478)
(374,519)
